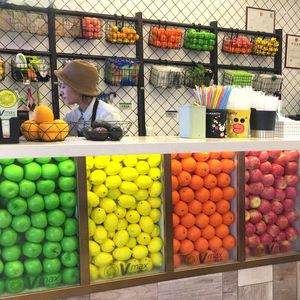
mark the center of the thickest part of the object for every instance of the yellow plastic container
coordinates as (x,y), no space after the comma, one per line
(238,123)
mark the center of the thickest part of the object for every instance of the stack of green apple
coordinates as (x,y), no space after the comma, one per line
(38,227)
(199,40)
(124,205)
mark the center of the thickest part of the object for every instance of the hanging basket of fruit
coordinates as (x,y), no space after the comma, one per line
(196,39)
(265,47)
(197,75)
(90,28)
(237,44)
(163,37)
(116,33)
(2,69)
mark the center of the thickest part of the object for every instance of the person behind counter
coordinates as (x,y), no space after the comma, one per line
(78,85)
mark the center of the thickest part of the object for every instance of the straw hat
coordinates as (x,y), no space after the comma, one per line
(81,76)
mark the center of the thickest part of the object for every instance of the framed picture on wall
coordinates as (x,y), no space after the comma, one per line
(259,19)
(292,51)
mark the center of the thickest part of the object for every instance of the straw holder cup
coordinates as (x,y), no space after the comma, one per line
(216,123)
(262,123)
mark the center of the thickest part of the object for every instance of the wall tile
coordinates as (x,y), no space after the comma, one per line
(255,275)
(202,287)
(230,285)
(257,292)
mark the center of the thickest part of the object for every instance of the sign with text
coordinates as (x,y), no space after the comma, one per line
(292,51)
(259,19)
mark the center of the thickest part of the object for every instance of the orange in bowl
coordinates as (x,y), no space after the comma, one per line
(48,131)
(62,128)
(30,130)
(42,114)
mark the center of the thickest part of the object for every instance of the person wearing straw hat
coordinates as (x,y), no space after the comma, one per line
(78,85)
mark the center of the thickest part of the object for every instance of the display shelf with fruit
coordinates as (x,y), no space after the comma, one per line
(125,215)
(237,45)
(265,47)
(237,78)
(91,28)
(39,229)
(199,40)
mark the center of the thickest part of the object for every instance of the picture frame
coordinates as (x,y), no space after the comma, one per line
(258,18)
(292,52)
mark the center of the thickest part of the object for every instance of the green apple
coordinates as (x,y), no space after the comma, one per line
(70,259)
(35,235)
(5,218)
(33,171)
(8,189)
(50,171)
(36,203)
(54,234)
(70,227)
(21,223)
(15,285)
(51,201)
(27,188)
(45,186)
(67,167)
(60,158)
(33,266)
(69,243)
(16,206)
(24,161)
(51,265)
(34,281)
(39,219)
(1,267)
(13,269)
(8,237)
(7,161)
(67,184)
(31,250)
(43,160)
(51,249)
(68,199)
(56,217)
(69,212)
(13,172)
(11,253)
(2,287)
(70,275)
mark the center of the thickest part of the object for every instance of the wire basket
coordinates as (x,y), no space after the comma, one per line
(237,45)
(199,40)
(166,76)
(91,28)
(2,69)
(197,75)
(265,46)
(268,83)
(54,131)
(237,78)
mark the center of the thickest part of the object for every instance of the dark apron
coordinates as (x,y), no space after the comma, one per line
(94,113)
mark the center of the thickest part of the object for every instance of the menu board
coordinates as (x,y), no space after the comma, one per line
(258,19)
(292,51)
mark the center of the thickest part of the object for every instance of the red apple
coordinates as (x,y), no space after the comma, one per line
(268,193)
(281,236)
(277,170)
(261,227)
(291,233)
(274,248)
(259,250)
(247,190)
(253,163)
(247,215)
(265,206)
(279,195)
(267,179)
(277,207)
(247,203)
(254,240)
(263,156)
(249,229)
(247,176)
(282,222)
(270,217)
(291,192)
(254,153)
(274,154)
(288,204)
(292,216)
(255,175)
(246,163)
(266,239)
(256,188)
(292,155)
(255,216)
(282,159)
(280,183)
(291,180)
(291,168)
(255,201)
(286,246)
(266,167)
(273,230)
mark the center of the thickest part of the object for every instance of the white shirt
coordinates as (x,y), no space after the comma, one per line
(77,119)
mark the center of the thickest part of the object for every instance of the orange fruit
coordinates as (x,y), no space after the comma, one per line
(215,166)
(186,194)
(195,207)
(202,195)
(208,232)
(63,129)
(186,247)
(223,206)
(215,243)
(173,155)
(174,182)
(184,155)
(207,257)
(176,246)
(227,165)
(202,220)
(176,260)
(193,233)
(223,179)
(208,207)
(228,193)
(176,167)
(48,131)
(180,232)
(175,197)
(188,220)
(222,230)
(42,114)
(222,254)
(229,242)
(175,220)
(188,164)
(202,169)
(215,219)
(196,182)
(193,259)
(30,130)
(227,154)
(181,208)
(228,218)
(201,156)
(215,154)
(201,244)
(216,194)
(184,178)
(210,181)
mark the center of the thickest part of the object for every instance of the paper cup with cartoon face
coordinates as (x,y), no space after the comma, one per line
(216,123)
(238,123)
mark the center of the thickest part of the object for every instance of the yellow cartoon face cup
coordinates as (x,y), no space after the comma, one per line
(238,123)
